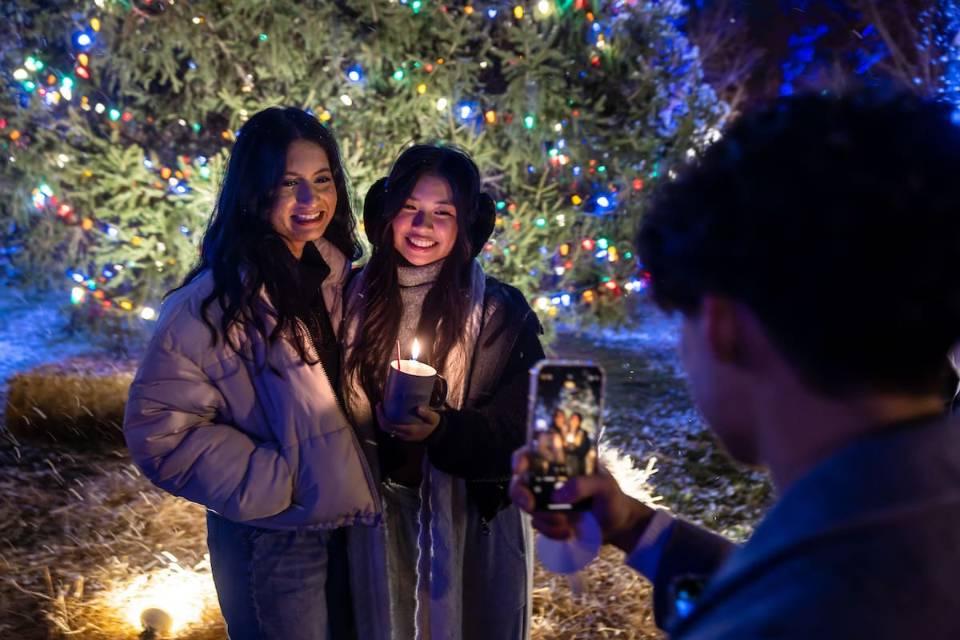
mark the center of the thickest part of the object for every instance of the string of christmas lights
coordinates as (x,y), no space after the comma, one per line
(948,41)
(588,191)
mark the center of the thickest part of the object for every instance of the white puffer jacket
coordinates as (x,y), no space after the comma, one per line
(270,451)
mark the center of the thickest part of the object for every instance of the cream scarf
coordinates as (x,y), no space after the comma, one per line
(443,498)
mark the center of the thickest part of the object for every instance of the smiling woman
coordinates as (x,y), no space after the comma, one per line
(236,405)
(459,568)
(307,196)
(425,229)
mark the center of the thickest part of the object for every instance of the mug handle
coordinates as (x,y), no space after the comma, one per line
(439,394)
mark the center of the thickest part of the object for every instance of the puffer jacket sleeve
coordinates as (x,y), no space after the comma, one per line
(177,429)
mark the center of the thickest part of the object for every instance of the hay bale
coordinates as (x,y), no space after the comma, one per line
(78,402)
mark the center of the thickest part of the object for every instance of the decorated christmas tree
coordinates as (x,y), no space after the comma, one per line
(118,115)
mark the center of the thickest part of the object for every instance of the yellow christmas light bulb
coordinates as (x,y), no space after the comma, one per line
(95,24)
(421,88)
(518,12)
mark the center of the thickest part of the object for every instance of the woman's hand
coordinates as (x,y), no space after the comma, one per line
(417,431)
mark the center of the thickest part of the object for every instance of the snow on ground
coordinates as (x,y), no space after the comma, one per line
(33,332)
(650,415)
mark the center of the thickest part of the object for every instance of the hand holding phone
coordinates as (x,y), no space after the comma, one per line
(565,412)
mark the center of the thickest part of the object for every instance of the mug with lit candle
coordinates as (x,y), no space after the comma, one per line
(411,383)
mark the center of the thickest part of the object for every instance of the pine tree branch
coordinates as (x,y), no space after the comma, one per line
(901,65)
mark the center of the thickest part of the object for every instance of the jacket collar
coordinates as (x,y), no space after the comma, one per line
(333,284)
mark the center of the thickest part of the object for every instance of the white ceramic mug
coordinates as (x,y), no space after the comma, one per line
(408,386)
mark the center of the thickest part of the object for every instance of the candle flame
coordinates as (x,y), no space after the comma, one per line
(415,349)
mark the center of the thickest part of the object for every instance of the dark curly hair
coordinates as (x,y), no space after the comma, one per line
(836,219)
(240,246)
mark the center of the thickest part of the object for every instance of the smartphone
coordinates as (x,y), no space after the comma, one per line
(565,413)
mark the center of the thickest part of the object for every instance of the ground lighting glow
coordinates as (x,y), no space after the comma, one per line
(182,593)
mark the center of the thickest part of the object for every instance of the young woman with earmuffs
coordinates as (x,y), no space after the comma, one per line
(455,558)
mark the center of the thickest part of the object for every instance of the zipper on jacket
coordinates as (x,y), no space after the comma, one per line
(371,485)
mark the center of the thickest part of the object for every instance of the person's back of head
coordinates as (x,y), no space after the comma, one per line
(835,220)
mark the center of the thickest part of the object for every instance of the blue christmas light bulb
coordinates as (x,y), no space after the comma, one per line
(355,73)
(83,40)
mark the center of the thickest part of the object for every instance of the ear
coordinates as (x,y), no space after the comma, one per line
(721,324)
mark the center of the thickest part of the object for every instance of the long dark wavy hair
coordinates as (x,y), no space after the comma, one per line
(381,308)
(240,246)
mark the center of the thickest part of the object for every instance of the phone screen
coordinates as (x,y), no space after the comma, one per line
(565,417)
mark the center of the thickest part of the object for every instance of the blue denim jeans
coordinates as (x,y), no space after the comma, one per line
(280,585)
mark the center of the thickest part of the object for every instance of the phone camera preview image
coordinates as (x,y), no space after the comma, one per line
(565,415)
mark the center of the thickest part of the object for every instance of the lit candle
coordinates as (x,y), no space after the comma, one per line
(413,366)
(409,384)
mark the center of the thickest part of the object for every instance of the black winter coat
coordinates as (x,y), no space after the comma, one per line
(477,441)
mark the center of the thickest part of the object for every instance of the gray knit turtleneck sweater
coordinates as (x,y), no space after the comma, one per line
(415,283)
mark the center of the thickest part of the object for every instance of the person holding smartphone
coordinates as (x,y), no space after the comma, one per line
(457,553)
(814,256)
